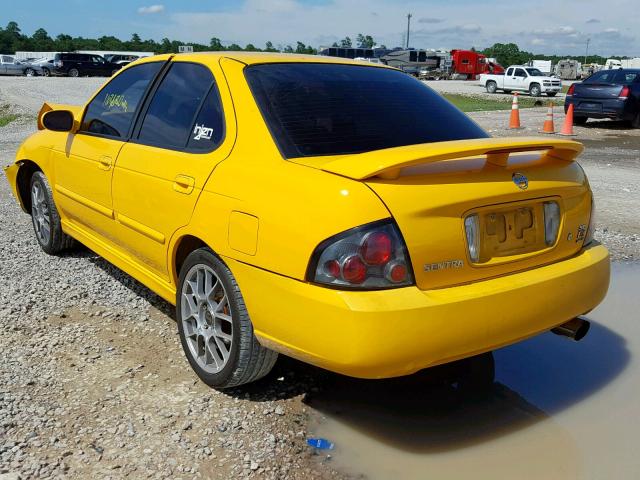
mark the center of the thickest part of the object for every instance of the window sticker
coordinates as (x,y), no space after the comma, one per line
(115,100)
(201,132)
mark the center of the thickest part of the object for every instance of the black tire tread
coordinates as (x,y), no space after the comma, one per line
(59,240)
(253,360)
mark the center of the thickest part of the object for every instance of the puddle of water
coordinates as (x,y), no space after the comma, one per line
(559,409)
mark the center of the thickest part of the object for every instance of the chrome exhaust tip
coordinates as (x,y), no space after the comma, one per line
(576,329)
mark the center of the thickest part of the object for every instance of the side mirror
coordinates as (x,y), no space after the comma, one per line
(58,120)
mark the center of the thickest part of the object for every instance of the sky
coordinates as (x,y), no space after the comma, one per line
(542,26)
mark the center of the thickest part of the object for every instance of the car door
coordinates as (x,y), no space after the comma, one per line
(84,167)
(520,79)
(179,139)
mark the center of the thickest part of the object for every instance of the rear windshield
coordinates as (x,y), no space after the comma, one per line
(325,109)
(618,76)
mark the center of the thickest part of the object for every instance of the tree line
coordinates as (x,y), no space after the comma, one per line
(12,40)
(510,54)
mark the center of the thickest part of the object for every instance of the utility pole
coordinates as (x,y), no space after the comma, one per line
(586,52)
(408,27)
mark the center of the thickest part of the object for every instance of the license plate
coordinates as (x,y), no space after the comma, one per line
(590,106)
(512,231)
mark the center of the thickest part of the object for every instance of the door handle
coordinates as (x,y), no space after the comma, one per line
(105,162)
(183,184)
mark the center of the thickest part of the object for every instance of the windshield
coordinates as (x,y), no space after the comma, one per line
(534,72)
(329,109)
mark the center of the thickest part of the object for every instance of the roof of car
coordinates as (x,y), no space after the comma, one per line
(252,58)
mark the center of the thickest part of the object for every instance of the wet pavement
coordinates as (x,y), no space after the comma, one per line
(559,410)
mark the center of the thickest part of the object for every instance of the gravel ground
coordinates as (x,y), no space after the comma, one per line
(93,378)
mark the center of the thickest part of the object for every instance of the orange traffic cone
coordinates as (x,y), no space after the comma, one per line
(567,128)
(514,120)
(548,126)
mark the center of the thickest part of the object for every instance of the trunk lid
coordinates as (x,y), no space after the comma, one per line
(431,189)
(596,91)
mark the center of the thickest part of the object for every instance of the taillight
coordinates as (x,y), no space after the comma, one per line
(58,63)
(369,257)
(572,87)
(624,93)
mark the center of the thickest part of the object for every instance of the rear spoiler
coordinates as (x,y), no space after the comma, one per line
(389,162)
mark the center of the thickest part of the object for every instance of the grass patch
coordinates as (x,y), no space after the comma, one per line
(6,117)
(482,104)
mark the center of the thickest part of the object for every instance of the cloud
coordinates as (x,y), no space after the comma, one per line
(151,9)
(320,23)
(592,20)
(611,30)
(430,20)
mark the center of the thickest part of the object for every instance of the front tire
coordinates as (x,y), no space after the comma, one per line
(29,72)
(214,326)
(46,72)
(45,217)
(492,86)
(534,90)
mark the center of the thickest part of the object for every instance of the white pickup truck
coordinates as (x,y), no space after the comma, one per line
(523,79)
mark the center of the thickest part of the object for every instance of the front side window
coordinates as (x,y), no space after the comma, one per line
(330,109)
(520,73)
(112,111)
(172,111)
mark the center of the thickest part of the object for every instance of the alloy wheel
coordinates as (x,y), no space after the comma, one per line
(206,318)
(40,213)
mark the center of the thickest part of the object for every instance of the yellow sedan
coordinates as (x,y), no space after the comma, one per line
(337,212)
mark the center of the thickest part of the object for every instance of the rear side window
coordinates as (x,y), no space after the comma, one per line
(170,117)
(326,109)
(113,109)
(208,131)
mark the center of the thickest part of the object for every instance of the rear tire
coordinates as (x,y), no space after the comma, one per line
(214,326)
(45,217)
(580,120)
(46,72)
(29,72)
(74,72)
(534,90)
(492,86)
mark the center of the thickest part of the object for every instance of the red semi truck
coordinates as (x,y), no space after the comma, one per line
(469,65)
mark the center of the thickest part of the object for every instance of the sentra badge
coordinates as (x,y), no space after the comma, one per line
(447,264)
(521,181)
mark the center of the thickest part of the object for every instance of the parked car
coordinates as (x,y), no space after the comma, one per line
(38,66)
(524,79)
(611,94)
(82,64)
(121,59)
(281,210)
(10,66)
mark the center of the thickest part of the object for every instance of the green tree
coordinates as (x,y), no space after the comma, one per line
(269,47)
(288,49)
(64,43)
(41,41)
(507,54)
(345,42)
(365,41)
(234,47)
(215,44)
(250,47)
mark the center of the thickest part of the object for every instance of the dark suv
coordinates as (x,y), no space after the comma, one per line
(82,64)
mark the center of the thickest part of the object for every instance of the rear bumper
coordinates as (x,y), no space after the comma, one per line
(614,108)
(398,332)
